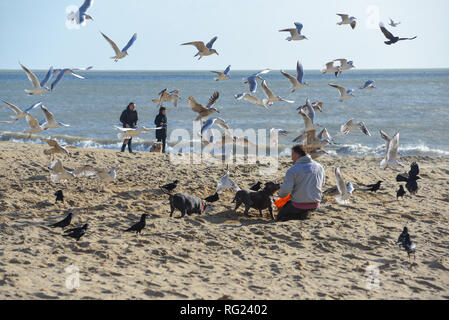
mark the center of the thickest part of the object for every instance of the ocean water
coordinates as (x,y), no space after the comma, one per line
(413,102)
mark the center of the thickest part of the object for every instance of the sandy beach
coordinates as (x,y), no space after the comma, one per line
(221,254)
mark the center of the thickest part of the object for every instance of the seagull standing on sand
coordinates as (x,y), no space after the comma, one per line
(56,148)
(226,183)
(58,173)
(344,94)
(346,19)
(200,109)
(391,38)
(350,125)
(391,157)
(19,113)
(203,50)
(344,189)
(295,33)
(298,82)
(251,80)
(369,85)
(39,87)
(120,54)
(250,98)
(394,24)
(270,95)
(80,15)
(332,69)
(223,75)
(51,122)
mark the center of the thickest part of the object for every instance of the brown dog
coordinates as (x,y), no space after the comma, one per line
(257,199)
(156,147)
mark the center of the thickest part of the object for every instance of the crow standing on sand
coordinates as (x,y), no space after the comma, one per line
(410,178)
(374,187)
(170,186)
(400,192)
(212,198)
(139,225)
(404,241)
(256,187)
(63,223)
(59,196)
(76,233)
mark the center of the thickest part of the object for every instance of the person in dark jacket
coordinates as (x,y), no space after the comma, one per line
(129,119)
(161,121)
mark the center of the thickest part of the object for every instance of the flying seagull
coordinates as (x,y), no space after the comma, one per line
(391,38)
(394,24)
(344,190)
(346,19)
(391,156)
(295,33)
(165,96)
(102,174)
(250,98)
(19,113)
(350,125)
(35,126)
(39,87)
(132,132)
(51,122)
(344,94)
(80,15)
(61,73)
(271,98)
(298,82)
(251,80)
(411,178)
(332,69)
(200,109)
(369,85)
(203,50)
(223,75)
(58,173)
(345,64)
(120,54)
(210,122)
(316,105)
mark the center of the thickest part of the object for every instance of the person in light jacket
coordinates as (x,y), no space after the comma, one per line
(303,181)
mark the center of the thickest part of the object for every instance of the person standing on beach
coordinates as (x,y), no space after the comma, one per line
(129,120)
(303,181)
(161,121)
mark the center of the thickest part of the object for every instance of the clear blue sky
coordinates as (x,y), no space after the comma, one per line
(35,33)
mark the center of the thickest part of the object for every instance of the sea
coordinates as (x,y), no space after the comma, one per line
(414,103)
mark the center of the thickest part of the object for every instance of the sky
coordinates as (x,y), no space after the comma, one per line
(35,33)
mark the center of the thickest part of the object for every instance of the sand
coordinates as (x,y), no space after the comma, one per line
(221,254)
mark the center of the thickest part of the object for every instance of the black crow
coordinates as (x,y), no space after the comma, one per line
(256,187)
(400,192)
(63,223)
(212,198)
(402,236)
(139,225)
(410,178)
(171,186)
(391,38)
(374,187)
(59,196)
(404,241)
(76,233)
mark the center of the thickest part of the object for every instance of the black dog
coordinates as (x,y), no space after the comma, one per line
(186,204)
(257,199)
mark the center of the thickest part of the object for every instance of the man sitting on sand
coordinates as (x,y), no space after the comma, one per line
(304,182)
